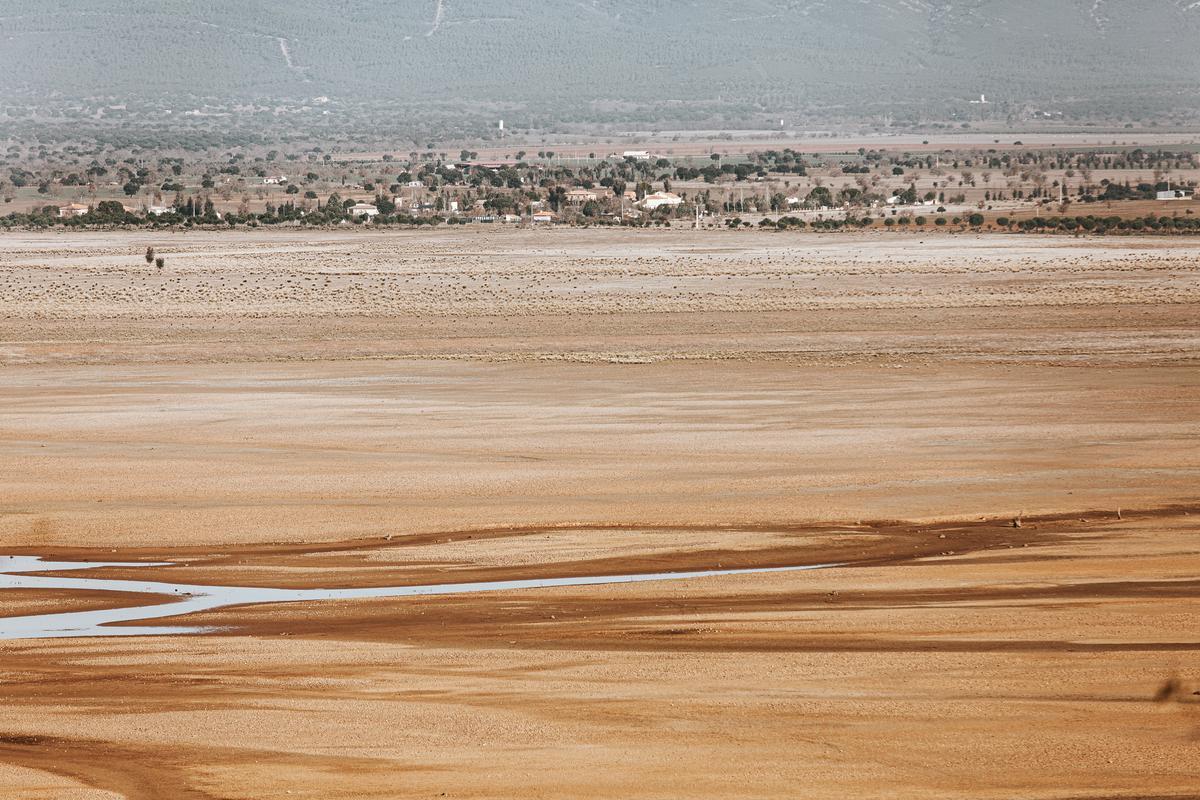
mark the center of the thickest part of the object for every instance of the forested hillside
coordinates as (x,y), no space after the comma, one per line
(602,53)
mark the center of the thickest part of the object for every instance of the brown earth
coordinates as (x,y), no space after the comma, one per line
(314,409)
(23,602)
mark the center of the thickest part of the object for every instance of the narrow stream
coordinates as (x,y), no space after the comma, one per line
(20,572)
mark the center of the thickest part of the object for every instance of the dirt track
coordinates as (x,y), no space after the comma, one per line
(379,410)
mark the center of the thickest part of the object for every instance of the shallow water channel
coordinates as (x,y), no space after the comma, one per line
(22,572)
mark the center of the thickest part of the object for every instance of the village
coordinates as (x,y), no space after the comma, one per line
(929,187)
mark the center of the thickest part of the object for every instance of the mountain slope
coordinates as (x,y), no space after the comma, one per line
(789,53)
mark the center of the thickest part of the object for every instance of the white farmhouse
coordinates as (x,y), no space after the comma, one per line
(660,199)
(72,210)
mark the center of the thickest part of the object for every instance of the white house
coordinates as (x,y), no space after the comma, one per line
(636,155)
(156,211)
(1175,194)
(72,210)
(275,180)
(543,216)
(367,210)
(659,199)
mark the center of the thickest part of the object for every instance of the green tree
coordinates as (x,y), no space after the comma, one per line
(108,212)
(820,196)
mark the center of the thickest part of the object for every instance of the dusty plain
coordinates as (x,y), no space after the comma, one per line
(320,409)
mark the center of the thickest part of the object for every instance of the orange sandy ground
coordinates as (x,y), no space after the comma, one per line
(388,409)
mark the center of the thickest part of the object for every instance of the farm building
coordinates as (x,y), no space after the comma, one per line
(72,210)
(659,199)
(580,196)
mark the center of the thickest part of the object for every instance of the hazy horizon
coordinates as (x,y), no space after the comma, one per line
(614,60)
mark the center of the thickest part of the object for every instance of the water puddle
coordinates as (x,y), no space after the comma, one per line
(21,572)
